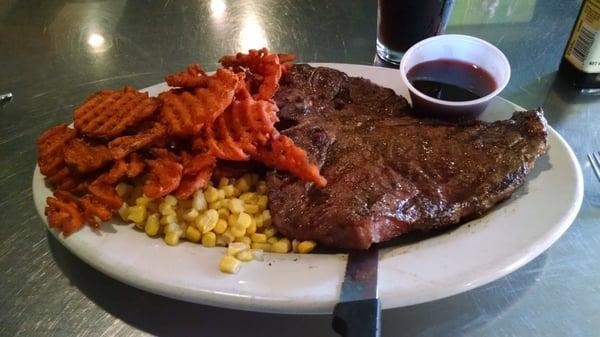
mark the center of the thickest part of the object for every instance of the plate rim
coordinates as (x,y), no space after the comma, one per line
(276,305)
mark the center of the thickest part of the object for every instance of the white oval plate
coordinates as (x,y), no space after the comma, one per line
(486,249)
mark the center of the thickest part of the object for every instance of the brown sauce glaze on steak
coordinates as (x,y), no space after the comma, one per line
(388,172)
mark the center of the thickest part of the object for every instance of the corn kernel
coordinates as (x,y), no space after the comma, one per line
(172,238)
(183,229)
(252,228)
(281,246)
(123,190)
(269,231)
(258,254)
(258,219)
(243,220)
(167,219)
(207,221)
(218,204)
(211,194)
(199,201)
(220,227)
(223,182)
(229,190)
(220,194)
(258,238)
(223,213)
(232,219)
(262,202)
(242,184)
(262,246)
(209,239)
(227,237)
(266,215)
(251,208)
(229,264)
(306,246)
(142,201)
(236,247)
(248,197)
(237,231)
(244,239)
(137,214)
(220,241)
(170,200)
(165,209)
(236,192)
(124,211)
(192,234)
(286,240)
(245,256)
(190,215)
(152,225)
(273,240)
(261,187)
(236,205)
(172,228)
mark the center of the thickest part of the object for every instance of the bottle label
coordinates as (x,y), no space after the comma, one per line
(584,49)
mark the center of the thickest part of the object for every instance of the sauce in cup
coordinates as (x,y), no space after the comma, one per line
(451,80)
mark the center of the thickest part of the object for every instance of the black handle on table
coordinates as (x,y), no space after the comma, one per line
(358,318)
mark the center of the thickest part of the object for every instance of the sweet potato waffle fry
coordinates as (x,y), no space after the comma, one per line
(283,154)
(244,126)
(192,78)
(83,157)
(169,144)
(185,112)
(107,114)
(263,63)
(124,145)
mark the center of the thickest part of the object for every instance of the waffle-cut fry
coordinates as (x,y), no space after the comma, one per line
(65,180)
(245,125)
(185,112)
(92,207)
(124,145)
(63,215)
(284,60)
(197,171)
(263,63)
(50,148)
(197,163)
(135,166)
(83,157)
(163,178)
(283,154)
(108,114)
(105,194)
(192,78)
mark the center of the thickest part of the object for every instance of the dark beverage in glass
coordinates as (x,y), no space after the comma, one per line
(402,23)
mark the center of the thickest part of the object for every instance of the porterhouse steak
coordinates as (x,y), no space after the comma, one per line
(389,172)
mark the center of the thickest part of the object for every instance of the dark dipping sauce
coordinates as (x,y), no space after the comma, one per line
(451,80)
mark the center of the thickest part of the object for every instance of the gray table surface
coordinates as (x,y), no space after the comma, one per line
(48,63)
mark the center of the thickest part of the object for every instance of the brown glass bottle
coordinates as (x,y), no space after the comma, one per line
(580,64)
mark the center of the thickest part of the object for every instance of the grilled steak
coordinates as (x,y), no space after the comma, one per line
(388,172)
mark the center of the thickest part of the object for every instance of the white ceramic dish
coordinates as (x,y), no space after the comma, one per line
(472,255)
